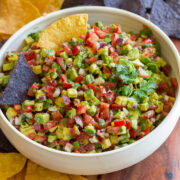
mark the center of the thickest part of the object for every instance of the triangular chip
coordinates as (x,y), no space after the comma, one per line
(21,78)
(63,30)
(16,13)
(54,5)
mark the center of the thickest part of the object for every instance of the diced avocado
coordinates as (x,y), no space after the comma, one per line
(114,139)
(156,78)
(71,73)
(106,143)
(71,113)
(125,49)
(72,93)
(47,103)
(29,40)
(89,96)
(121,100)
(54,75)
(89,78)
(42,118)
(1,78)
(131,103)
(38,106)
(27,129)
(64,55)
(153,67)
(37,69)
(8,66)
(76,130)
(135,114)
(78,61)
(51,138)
(144,106)
(64,133)
(102,122)
(137,62)
(55,65)
(138,80)
(59,102)
(90,130)
(122,130)
(85,142)
(99,24)
(64,93)
(13,57)
(133,54)
(134,124)
(10,113)
(68,60)
(53,129)
(76,145)
(159,108)
(154,97)
(92,110)
(120,115)
(46,52)
(89,52)
(104,51)
(39,93)
(94,69)
(145,59)
(5,80)
(161,62)
(26,48)
(99,81)
(28,102)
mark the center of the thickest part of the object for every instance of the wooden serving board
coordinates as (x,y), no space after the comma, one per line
(164,164)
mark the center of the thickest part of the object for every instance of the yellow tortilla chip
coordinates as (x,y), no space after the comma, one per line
(36,172)
(54,5)
(11,164)
(63,30)
(41,4)
(4,36)
(16,13)
(76,177)
(20,175)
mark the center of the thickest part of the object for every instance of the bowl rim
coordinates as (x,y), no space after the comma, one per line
(111,10)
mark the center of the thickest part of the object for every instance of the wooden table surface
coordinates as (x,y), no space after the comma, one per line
(163,164)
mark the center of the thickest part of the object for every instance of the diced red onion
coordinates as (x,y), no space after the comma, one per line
(140,48)
(67,100)
(120,40)
(118,51)
(134,105)
(41,98)
(17,121)
(125,111)
(64,45)
(36,127)
(102,44)
(78,121)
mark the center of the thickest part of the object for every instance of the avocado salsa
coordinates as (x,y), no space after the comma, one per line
(99,92)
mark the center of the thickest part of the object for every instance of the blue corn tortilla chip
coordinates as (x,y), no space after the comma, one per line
(165,17)
(147,3)
(21,79)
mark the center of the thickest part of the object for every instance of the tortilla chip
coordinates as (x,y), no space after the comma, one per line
(21,79)
(41,4)
(63,30)
(4,36)
(76,177)
(36,172)
(16,13)
(20,175)
(54,5)
(11,164)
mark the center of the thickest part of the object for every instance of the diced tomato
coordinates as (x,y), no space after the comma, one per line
(88,119)
(68,51)
(56,116)
(143,73)
(106,70)
(61,63)
(82,37)
(102,90)
(81,110)
(49,62)
(95,47)
(133,37)
(59,51)
(83,136)
(45,68)
(33,89)
(118,29)
(50,124)
(63,78)
(114,130)
(133,133)
(110,85)
(96,116)
(174,83)
(166,69)
(119,123)
(104,106)
(93,87)
(77,151)
(31,136)
(99,32)
(148,51)
(111,49)
(17,107)
(163,87)
(147,131)
(50,91)
(149,114)
(128,125)
(91,60)
(114,39)
(110,97)
(29,108)
(152,107)
(76,50)
(70,122)
(147,41)
(41,139)
(171,93)
(73,132)
(104,114)
(30,55)
(116,106)
(67,85)
(91,39)
(79,79)
(90,147)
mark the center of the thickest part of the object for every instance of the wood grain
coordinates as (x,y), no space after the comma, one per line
(164,164)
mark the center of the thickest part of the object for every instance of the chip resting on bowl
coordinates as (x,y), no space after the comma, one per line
(21,79)
(63,30)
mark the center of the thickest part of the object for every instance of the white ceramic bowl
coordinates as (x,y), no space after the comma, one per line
(88,164)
